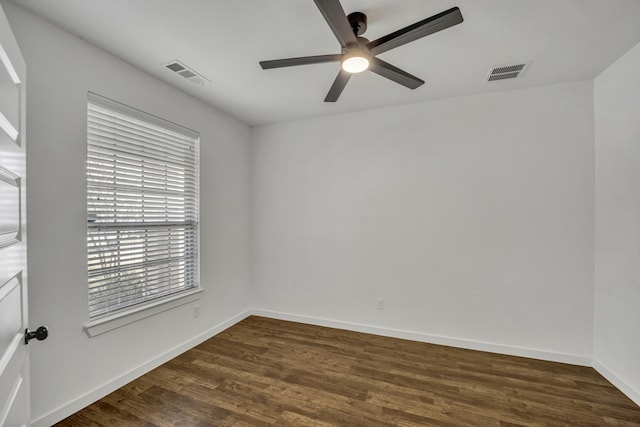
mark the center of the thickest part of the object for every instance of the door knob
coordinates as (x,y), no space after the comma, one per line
(40,334)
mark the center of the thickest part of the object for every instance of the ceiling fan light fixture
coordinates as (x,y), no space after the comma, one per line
(359,54)
(355,61)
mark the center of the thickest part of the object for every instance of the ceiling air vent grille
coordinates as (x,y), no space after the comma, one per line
(503,72)
(186,72)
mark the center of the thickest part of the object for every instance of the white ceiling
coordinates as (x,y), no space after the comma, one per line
(224,40)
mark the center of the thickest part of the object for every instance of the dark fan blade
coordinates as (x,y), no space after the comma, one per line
(428,26)
(337,20)
(338,85)
(387,70)
(304,60)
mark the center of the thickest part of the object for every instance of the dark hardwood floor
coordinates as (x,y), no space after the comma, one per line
(270,372)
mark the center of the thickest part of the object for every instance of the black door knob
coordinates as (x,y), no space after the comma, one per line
(40,334)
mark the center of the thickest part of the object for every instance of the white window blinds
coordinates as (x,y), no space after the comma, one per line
(142,205)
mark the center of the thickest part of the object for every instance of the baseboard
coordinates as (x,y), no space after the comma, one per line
(574,359)
(74,406)
(617,381)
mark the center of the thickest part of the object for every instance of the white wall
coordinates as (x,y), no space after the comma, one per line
(61,69)
(617,223)
(472,217)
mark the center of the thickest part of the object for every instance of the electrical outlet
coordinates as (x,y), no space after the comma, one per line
(380,303)
(196,311)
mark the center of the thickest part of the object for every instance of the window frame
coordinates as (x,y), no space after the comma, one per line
(145,307)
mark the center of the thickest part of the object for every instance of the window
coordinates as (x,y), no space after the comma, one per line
(142,207)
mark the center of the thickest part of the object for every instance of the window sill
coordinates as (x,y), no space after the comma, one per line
(108,323)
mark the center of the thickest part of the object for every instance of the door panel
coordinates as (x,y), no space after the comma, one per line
(14,392)
(9,207)
(9,103)
(14,354)
(10,309)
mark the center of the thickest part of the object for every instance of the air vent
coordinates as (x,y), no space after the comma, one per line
(174,66)
(503,72)
(186,72)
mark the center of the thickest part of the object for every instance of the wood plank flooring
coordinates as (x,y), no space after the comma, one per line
(270,372)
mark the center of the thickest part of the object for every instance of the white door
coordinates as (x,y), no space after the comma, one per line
(14,355)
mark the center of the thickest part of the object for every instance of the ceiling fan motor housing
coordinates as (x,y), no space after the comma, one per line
(360,47)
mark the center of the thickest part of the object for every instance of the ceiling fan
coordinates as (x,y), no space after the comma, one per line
(359,54)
